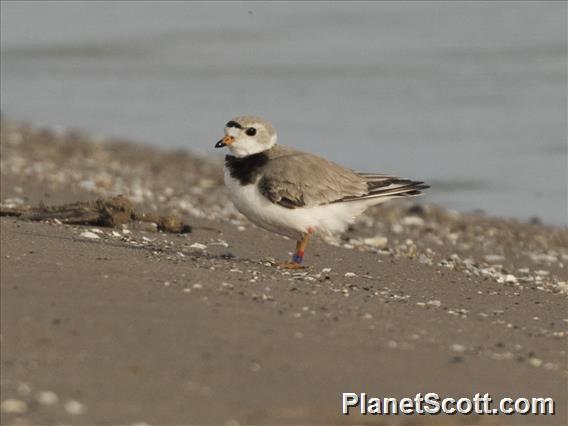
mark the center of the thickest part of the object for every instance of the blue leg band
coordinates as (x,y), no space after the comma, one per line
(297,258)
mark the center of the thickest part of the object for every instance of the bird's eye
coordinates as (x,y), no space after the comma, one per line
(251,131)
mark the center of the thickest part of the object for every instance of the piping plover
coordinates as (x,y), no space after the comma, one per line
(294,193)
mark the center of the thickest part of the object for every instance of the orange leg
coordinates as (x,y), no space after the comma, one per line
(296,262)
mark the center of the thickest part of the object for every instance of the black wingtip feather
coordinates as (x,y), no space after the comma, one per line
(384,188)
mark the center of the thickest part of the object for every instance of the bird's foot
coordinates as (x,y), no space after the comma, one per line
(289,265)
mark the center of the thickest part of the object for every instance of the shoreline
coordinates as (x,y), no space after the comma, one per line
(212,169)
(445,301)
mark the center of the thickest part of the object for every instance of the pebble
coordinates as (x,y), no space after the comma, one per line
(13,406)
(493,258)
(350,274)
(456,347)
(150,227)
(47,398)
(13,202)
(221,243)
(543,258)
(87,185)
(90,235)
(535,362)
(379,242)
(435,303)
(501,356)
(397,228)
(413,221)
(74,407)
(509,278)
(198,246)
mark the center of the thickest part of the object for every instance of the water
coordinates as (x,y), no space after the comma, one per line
(470,97)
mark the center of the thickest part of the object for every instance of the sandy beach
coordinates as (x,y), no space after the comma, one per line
(129,325)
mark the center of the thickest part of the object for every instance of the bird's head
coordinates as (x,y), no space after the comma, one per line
(248,135)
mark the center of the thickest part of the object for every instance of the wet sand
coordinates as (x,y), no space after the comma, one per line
(133,326)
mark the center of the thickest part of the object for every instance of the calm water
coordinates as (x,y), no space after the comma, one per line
(470,97)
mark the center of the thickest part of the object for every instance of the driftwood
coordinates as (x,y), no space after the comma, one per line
(110,212)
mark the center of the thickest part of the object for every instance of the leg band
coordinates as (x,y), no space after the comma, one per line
(298,257)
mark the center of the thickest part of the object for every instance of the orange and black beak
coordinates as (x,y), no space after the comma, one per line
(227,140)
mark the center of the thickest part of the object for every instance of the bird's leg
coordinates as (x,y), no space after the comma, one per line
(298,257)
(300,249)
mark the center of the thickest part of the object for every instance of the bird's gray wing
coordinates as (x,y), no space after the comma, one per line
(298,179)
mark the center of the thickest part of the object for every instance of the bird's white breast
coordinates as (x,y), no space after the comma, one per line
(328,220)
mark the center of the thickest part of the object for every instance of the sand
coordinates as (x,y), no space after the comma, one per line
(131,326)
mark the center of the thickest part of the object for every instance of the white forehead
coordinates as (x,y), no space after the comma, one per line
(232,131)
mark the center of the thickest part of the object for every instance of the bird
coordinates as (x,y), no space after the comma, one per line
(298,194)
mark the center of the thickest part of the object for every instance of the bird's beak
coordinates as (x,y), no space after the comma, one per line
(227,140)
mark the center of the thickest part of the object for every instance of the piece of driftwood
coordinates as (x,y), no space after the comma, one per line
(109,212)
